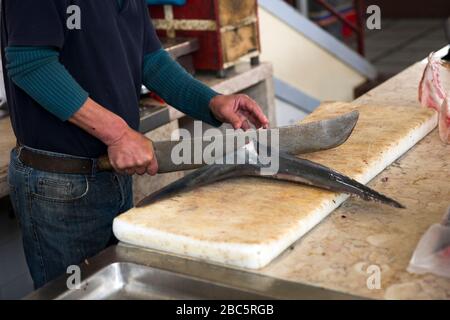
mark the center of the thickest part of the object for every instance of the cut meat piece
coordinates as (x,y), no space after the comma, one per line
(445,253)
(444,121)
(431,92)
(434,93)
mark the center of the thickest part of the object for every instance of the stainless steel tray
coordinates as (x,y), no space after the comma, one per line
(121,281)
(126,272)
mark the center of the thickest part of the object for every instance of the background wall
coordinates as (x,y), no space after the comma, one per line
(303,64)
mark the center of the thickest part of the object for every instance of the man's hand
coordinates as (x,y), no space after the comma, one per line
(238,110)
(129,151)
(133,154)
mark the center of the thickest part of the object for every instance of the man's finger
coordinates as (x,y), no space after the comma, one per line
(235,120)
(245,125)
(119,168)
(252,107)
(252,119)
(141,171)
(152,168)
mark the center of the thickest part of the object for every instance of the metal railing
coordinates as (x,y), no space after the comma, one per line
(357,28)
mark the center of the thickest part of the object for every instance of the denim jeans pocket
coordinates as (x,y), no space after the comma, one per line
(16,166)
(61,188)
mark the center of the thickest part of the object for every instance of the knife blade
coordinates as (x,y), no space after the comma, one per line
(294,140)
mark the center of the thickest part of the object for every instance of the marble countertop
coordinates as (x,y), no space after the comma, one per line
(359,239)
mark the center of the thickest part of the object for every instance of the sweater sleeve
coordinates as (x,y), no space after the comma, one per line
(170,81)
(38,72)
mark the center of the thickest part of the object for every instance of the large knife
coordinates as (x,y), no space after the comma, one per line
(294,140)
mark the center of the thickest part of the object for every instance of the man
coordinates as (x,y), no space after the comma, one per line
(74,72)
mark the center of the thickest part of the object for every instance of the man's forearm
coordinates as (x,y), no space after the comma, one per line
(38,72)
(100,122)
(170,81)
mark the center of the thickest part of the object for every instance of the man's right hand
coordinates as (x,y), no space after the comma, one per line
(129,151)
(133,154)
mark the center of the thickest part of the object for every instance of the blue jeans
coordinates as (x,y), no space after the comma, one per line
(64,218)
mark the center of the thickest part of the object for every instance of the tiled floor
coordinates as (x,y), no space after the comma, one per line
(400,43)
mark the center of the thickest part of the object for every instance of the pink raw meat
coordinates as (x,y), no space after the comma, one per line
(445,253)
(433,95)
(444,121)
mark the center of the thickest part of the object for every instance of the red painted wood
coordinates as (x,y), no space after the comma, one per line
(156,12)
(210,54)
(196,9)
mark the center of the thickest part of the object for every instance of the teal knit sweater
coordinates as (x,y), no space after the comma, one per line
(38,72)
(178,88)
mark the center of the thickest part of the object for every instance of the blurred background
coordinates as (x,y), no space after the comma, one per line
(336,56)
(322,50)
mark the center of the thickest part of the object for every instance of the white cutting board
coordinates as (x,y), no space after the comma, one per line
(248,222)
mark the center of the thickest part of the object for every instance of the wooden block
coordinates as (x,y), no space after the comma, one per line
(239,42)
(248,222)
(227,30)
(232,12)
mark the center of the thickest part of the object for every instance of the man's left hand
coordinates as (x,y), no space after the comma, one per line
(238,110)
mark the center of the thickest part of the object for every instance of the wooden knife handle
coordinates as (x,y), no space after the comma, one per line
(103,164)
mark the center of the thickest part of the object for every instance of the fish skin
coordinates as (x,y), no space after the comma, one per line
(325,178)
(292,169)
